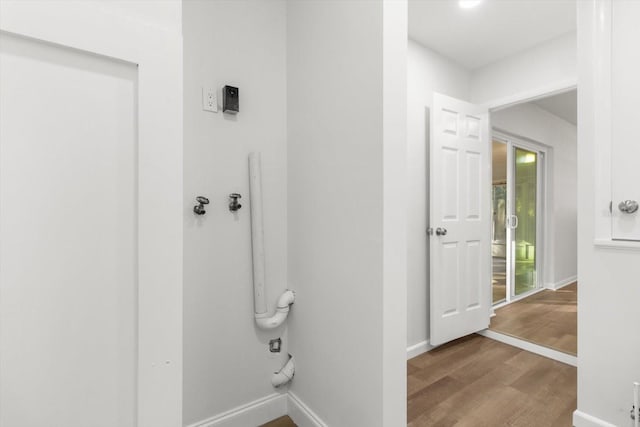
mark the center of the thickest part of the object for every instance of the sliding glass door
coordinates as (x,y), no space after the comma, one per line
(517,196)
(524,220)
(499,222)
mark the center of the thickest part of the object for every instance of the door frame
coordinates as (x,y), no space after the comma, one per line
(523,97)
(104,30)
(542,210)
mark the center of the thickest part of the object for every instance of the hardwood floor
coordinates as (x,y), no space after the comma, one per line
(280,422)
(548,318)
(476,381)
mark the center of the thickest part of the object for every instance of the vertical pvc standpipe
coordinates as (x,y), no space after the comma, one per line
(257,234)
(263,319)
(636,403)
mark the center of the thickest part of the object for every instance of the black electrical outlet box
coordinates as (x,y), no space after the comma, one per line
(230,99)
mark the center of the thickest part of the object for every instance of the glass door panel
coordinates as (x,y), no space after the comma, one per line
(524,220)
(499,237)
(499,242)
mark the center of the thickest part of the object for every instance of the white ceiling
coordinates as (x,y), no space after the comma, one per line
(491,31)
(564,105)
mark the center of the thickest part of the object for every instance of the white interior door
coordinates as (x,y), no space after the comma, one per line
(625,192)
(460,229)
(90,218)
(68,213)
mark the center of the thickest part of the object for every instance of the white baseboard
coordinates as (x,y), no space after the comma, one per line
(531,347)
(561,283)
(418,349)
(264,410)
(254,413)
(581,419)
(301,414)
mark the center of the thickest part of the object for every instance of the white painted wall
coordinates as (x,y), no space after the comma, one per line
(241,43)
(166,14)
(608,314)
(394,209)
(532,122)
(343,172)
(543,68)
(426,72)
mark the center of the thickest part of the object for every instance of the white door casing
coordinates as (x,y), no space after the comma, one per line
(100,46)
(460,204)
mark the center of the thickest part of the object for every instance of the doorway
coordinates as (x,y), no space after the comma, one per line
(538,304)
(523,242)
(517,200)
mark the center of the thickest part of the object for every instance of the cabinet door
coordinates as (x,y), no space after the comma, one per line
(625,121)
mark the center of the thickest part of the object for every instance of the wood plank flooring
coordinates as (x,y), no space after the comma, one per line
(280,422)
(548,318)
(476,381)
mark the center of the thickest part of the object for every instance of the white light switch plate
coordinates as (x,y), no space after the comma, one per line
(209,99)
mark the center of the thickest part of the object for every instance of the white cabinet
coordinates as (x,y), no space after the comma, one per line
(615,115)
(625,120)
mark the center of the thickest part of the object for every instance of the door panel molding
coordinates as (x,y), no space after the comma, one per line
(97,30)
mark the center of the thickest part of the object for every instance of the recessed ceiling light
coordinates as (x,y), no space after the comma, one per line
(468,4)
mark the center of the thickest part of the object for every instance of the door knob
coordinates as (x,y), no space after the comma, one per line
(628,206)
(441,231)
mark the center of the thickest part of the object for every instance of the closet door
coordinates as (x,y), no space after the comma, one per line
(90,218)
(625,86)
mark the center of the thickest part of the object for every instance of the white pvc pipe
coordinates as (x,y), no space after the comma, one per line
(284,375)
(263,319)
(257,233)
(636,403)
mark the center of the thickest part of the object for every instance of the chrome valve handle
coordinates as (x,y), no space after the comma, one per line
(199,208)
(234,206)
